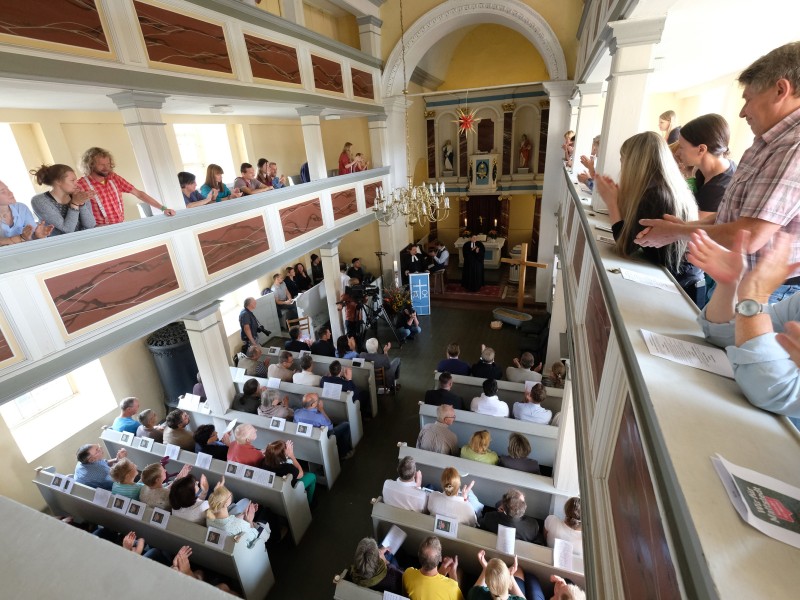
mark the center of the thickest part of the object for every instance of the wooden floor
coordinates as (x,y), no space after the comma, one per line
(342,517)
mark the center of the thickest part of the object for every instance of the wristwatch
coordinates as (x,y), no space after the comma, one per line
(749,308)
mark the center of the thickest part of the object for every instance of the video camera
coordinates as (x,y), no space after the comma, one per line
(361,291)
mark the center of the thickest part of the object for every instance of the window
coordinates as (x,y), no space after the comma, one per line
(233,303)
(13,171)
(202,145)
(47,416)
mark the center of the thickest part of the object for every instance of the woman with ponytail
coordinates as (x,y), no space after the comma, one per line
(65,206)
(569,529)
(453,502)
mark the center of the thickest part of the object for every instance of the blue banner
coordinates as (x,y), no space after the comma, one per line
(419,285)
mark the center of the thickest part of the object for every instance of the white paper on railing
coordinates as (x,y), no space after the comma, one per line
(506,536)
(230,427)
(332,390)
(713,360)
(766,503)
(203,460)
(172,451)
(647,280)
(274,383)
(189,402)
(394,539)
(101,497)
(562,554)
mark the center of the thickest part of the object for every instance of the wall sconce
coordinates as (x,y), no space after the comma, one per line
(503,195)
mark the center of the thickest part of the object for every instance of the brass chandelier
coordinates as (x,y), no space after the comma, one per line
(416,204)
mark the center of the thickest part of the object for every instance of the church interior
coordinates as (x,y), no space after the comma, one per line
(462,100)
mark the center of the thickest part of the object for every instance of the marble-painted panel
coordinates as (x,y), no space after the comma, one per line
(301,218)
(176,39)
(598,328)
(371,192)
(6,352)
(577,256)
(70,22)
(237,242)
(327,74)
(344,203)
(362,84)
(90,294)
(644,555)
(273,61)
(570,219)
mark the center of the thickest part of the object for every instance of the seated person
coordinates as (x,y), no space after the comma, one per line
(439,257)
(488,403)
(371,569)
(517,458)
(486,368)
(443,395)
(187,497)
(555,379)
(531,409)
(177,432)
(199,389)
(478,449)
(250,398)
(436,577)
(391,368)
(511,513)
(123,474)
(217,516)
(214,182)
(306,376)
(241,450)
(280,459)
(569,529)
(497,581)
(192,198)
(92,469)
(313,413)
(347,347)
(436,436)
(453,364)
(272,405)
(18,223)
(344,377)
(283,368)
(406,491)
(207,441)
(148,427)
(258,367)
(291,284)
(154,493)
(566,591)
(453,502)
(324,344)
(294,343)
(301,278)
(247,182)
(128,407)
(284,301)
(407,324)
(524,369)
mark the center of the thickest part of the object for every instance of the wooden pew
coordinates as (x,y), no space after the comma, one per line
(469,387)
(543,438)
(491,481)
(251,567)
(347,590)
(282,499)
(318,449)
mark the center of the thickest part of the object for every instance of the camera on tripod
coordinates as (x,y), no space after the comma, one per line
(360,292)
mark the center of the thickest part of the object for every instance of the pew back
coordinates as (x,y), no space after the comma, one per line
(469,387)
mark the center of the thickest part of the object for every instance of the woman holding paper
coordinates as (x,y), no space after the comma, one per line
(569,529)
(217,516)
(279,458)
(454,502)
(371,569)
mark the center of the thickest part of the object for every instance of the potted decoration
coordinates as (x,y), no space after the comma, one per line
(492,235)
(466,233)
(395,299)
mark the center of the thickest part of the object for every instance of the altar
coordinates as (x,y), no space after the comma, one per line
(494,251)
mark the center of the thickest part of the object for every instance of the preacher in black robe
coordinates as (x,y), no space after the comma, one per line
(472,273)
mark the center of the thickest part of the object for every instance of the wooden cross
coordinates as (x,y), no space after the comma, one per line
(523,263)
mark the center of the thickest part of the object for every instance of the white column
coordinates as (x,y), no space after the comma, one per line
(312,137)
(329,257)
(590,118)
(378,140)
(558,123)
(292,10)
(574,104)
(631,45)
(396,131)
(210,347)
(141,113)
(369,31)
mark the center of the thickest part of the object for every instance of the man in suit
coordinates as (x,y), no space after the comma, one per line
(443,395)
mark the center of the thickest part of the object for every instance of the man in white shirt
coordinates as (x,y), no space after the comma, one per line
(532,410)
(523,369)
(306,377)
(488,403)
(406,491)
(440,257)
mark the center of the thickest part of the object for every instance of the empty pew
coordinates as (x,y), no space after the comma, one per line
(251,567)
(282,499)
(469,387)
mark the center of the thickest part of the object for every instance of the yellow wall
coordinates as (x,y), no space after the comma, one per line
(270,6)
(343,29)
(336,133)
(363,243)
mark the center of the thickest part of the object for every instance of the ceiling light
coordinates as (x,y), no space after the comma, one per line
(221,109)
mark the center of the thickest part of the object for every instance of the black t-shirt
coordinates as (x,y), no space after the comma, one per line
(709,193)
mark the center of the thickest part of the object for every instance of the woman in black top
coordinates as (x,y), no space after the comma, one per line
(301,278)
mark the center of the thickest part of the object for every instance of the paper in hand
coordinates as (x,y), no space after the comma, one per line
(506,537)
(562,555)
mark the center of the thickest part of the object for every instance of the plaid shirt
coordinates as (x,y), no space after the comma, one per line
(766,184)
(107,206)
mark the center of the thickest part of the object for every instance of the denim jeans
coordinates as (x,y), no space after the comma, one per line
(783,291)
(408,332)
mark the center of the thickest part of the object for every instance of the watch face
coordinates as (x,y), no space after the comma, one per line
(748,308)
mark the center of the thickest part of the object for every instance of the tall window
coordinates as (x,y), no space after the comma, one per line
(13,171)
(233,303)
(202,145)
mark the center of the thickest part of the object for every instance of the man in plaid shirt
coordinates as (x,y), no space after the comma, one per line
(107,188)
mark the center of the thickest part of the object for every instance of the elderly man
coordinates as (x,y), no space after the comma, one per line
(391,368)
(531,409)
(324,344)
(488,403)
(511,513)
(177,432)
(283,368)
(763,196)
(247,182)
(273,405)
(92,469)
(437,437)
(486,367)
(313,413)
(524,369)
(443,395)
(257,368)
(436,577)
(406,491)
(306,376)
(107,188)
(250,398)
(250,325)
(284,301)
(125,421)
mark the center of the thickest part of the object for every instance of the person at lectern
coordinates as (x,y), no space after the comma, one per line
(472,274)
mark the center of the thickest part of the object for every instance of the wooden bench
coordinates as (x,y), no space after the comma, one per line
(469,387)
(251,567)
(318,449)
(282,499)
(347,590)
(543,438)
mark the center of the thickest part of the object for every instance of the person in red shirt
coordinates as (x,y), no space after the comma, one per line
(346,160)
(242,450)
(107,188)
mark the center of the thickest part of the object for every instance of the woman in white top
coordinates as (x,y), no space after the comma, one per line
(218,516)
(569,529)
(155,493)
(187,496)
(453,502)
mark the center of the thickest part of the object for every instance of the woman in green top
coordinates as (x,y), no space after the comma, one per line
(214,182)
(123,473)
(478,449)
(497,581)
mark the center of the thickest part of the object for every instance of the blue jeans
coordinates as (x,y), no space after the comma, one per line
(783,291)
(408,332)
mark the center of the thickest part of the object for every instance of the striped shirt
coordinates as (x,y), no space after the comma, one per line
(107,205)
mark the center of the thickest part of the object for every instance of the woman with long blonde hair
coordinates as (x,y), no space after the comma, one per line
(668,126)
(650,186)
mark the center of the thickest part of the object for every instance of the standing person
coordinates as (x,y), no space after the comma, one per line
(284,301)
(247,183)
(17,223)
(668,126)
(316,269)
(346,160)
(214,181)
(64,206)
(472,274)
(412,262)
(301,278)
(291,283)
(250,325)
(191,197)
(106,188)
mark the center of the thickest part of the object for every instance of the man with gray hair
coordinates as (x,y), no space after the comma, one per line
(485,368)
(406,491)
(92,469)
(511,513)
(376,569)
(443,574)
(437,437)
(524,369)
(257,367)
(125,421)
(391,368)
